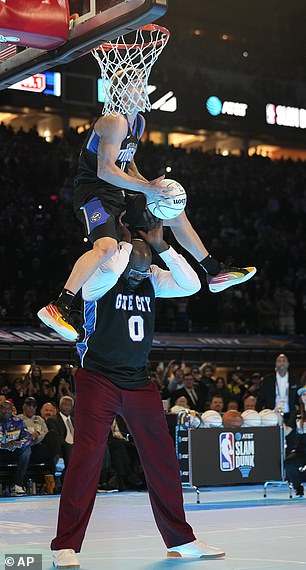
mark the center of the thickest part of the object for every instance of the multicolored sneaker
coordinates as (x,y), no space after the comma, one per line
(58,319)
(228,277)
(195,549)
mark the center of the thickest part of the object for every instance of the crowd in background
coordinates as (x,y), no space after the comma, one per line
(250,208)
(38,412)
(232,385)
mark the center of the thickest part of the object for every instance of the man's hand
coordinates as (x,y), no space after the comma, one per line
(154,235)
(155,191)
(35,434)
(125,234)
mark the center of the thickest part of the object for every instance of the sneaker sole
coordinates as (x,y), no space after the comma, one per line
(63,567)
(206,556)
(44,316)
(222,286)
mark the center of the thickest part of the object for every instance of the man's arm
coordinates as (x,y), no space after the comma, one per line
(43,430)
(181,280)
(112,131)
(133,171)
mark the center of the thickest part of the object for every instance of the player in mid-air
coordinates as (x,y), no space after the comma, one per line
(106,175)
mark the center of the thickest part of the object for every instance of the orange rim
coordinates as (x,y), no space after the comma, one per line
(148,28)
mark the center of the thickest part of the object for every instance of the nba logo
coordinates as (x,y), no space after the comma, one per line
(227,452)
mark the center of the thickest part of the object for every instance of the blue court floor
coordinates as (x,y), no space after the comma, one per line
(256,533)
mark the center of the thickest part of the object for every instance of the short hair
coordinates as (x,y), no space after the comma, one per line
(66,398)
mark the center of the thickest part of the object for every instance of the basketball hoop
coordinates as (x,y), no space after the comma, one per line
(125,69)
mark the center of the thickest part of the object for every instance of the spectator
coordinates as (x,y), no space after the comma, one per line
(181,403)
(62,425)
(65,373)
(232,405)
(219,389)
(254,384)
(15,441)
(32,380)
(249,402)
(44,444)
(296,460)
(172,382)
(207,378)
(48,410)
(217,404)
(236,386)
(191,392)
(63,389)
(47,393)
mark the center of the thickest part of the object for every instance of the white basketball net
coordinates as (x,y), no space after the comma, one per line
(125,69)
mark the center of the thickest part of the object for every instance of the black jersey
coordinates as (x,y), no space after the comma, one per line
(87,166)
(118,334)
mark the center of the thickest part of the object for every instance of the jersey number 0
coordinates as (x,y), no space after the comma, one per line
(136,328)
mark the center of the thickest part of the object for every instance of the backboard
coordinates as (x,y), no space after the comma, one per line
(90,23)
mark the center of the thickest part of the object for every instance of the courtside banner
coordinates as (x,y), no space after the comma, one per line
(219,456)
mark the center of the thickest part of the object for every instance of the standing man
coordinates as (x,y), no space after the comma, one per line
(279,390)
(15,441)
(119,307)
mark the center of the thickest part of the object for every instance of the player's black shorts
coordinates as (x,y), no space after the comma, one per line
(98,208)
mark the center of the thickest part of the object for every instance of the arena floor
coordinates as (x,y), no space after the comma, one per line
(256,533)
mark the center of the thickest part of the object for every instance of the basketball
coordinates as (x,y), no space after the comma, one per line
(210,418)
(268,417)
(175,204)
(251,418)
(232,419)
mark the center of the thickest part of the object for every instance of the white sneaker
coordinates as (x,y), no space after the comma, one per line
(195,549)
(17,490)
(65,558)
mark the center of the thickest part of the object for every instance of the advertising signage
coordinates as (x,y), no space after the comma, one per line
(257,113)
(285,116)
(216,106)
(48,83)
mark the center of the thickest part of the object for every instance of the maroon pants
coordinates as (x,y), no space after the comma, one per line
(98,401)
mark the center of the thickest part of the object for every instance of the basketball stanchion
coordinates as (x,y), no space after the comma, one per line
(282,482)
(186,420)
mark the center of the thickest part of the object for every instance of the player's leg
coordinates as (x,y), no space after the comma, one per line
(219,275)
(97,403)
(101,231)
(143,413)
